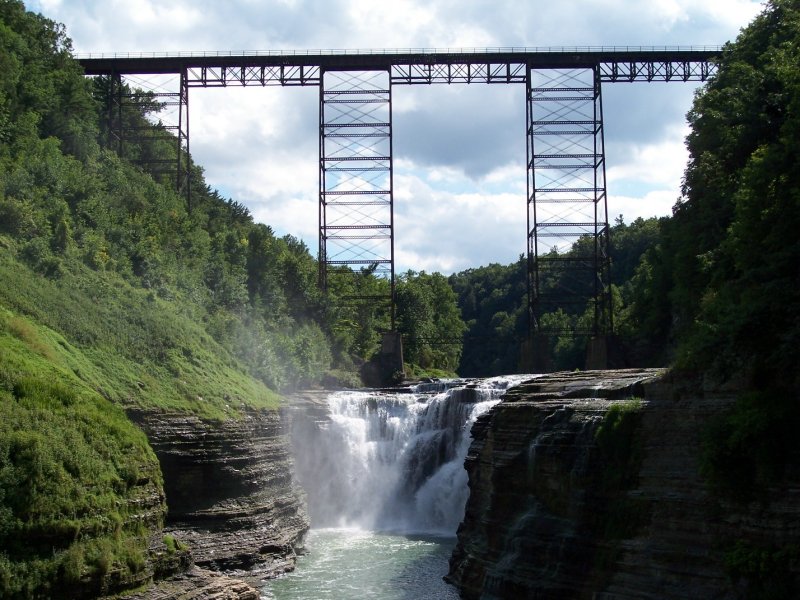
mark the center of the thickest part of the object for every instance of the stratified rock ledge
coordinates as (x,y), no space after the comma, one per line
(551,516)
(231,496)
(198,584)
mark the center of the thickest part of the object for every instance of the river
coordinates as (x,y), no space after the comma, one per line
(351,564)
(386,491)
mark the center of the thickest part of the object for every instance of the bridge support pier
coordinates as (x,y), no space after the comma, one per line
(597,353)
(535,355)
(568,231)
(386,367)
(356,199)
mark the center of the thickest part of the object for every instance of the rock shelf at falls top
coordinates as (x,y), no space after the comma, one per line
(386,461)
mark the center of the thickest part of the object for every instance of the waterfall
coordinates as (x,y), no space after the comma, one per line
(394,461)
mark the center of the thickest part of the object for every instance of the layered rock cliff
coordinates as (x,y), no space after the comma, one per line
(230,492)
(588,486)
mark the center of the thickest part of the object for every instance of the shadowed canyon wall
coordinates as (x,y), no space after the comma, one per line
(588,485)
(231,498)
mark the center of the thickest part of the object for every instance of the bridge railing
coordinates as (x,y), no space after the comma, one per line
(393,51)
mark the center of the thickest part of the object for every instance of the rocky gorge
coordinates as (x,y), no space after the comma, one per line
(234,508)
(589,485)
(581,485)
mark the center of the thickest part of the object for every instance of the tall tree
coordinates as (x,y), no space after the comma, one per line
(429,320)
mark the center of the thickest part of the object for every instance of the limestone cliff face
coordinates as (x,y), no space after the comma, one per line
(571,497)
(229,489)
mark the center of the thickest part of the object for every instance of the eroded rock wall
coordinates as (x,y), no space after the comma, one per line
(559,509)
(230,492)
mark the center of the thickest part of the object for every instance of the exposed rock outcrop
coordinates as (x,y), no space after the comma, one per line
(198,584)
(230,492)
(573,498)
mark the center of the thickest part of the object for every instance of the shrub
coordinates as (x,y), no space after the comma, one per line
(747,449)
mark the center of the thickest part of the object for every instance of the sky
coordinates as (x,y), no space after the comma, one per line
(459,150)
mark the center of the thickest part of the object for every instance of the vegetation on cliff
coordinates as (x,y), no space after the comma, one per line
(724,282)
(79,485)
(723,279)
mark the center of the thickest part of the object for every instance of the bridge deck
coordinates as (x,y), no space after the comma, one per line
(502,65)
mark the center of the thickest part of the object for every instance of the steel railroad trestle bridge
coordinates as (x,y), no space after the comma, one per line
(566,181)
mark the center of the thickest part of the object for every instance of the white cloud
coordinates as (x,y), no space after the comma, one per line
(143,13)
(731,14)
(45,6)
(442,231)
(661,163)
(295,216)
(388,24)
(657,203)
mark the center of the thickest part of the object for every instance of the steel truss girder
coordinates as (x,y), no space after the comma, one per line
(356,207)
(499,65)
(121,132)
(244,75)
(459,72)
(411,73)
(510,72)
(567,200)
(663,70)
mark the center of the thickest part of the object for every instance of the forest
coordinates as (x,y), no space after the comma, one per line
(116,296)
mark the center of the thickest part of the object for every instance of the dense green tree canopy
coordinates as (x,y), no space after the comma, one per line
(722,286)
(64,198)
(429,321)
(493,301)
(724,282)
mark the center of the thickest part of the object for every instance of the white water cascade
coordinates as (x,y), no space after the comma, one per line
(394,461)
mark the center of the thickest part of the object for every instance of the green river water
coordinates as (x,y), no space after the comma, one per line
(346,564)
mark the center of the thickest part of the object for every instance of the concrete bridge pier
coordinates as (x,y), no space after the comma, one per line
(597,353)
(386,368)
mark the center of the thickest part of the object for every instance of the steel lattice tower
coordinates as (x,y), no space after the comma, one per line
(356,216)
(174,99)
(567,201)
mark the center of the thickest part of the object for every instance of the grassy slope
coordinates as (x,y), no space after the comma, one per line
(124,342)
(75,351)
(73,470)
